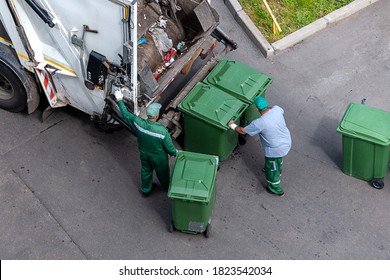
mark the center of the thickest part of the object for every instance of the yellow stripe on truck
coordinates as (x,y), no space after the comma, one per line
(47,59)
(60,66)
(23,56)
(5,41)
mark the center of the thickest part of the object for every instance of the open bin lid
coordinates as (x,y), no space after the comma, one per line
(238,79)
(367,123)
(193,177)
(212,106)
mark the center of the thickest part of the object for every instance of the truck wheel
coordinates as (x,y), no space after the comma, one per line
(13,95)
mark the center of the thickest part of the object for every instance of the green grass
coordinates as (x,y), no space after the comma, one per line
(290,14)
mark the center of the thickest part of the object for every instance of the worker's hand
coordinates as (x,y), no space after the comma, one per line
(232,125)
(118,95)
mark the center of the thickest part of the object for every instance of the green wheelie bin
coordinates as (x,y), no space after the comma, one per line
(242,82)
(366,143)
(192,192)
(206,113)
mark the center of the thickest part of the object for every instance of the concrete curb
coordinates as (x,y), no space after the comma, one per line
(290,40)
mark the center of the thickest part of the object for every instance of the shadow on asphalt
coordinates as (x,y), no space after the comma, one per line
(328,140)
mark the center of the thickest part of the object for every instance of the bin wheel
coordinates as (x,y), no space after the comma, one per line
(241,139)
(377,184)
(207,231)
(170,227)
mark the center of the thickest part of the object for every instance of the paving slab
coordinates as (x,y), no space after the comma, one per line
(27,229)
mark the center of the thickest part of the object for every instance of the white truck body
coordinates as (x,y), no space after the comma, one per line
(53,50)
(80,52)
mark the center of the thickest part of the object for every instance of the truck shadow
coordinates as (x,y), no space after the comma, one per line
(123,150)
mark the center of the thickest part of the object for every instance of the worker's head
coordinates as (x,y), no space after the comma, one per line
(153,110)
(261,103)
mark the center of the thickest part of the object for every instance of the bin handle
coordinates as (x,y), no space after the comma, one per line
(265,85)
(239,112)
(262,89)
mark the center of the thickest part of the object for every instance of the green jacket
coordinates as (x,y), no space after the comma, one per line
(153,138)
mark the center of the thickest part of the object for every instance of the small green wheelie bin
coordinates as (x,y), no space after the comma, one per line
(192,192)
(366,143)
(206,113)
(242,82)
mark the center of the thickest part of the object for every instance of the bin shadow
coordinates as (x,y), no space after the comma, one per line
(160,203)
(329,140)
(252,156)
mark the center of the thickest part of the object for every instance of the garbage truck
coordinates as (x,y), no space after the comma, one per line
(77,53)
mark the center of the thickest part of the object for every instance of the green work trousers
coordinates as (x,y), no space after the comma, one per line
(159,164)
(273,169)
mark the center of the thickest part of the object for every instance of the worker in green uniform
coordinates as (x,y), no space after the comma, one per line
(154,145)
(275,138)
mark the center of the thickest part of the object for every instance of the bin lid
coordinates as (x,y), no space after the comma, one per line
(238,79)
(367,123)
(193,177)
(212,105)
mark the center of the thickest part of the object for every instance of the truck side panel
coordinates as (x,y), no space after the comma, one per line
(4,35)
(13,35)
(53,50)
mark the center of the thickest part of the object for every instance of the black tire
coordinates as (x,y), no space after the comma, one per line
(107,127)
(13,95)
(377,184)
(207,232)
(242,139)
(170,227)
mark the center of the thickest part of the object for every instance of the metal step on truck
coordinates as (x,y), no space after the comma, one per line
(77,53)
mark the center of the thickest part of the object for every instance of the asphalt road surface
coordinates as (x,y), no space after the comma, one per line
(68,191)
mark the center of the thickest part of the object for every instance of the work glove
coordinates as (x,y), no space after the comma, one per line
(118,95)
(232,125)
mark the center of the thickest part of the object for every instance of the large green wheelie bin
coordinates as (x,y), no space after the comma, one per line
(366,143)
(206,113)
(192,192)
(242,82)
